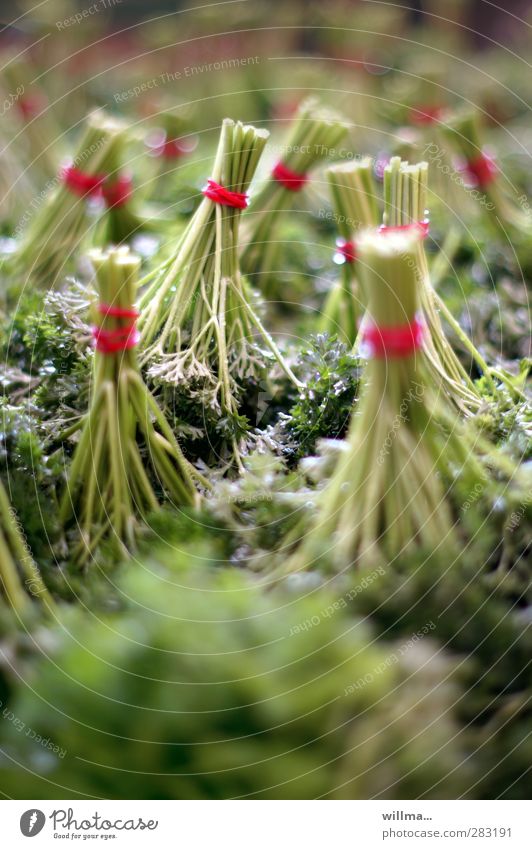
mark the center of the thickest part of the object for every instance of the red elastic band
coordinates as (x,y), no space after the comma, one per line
(171,149)
(421,226)
(291,180)
(347,250)
(121,338)
(80,183)
(114,194)
(482,169)
(117,193)
(118,312)
(393,341)
(425,114)
(113,341)
(224,196)
(31,105)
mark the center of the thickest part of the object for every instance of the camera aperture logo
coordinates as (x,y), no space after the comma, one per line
(32,822)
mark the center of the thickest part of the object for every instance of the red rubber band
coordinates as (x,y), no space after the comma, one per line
(425,114)
(291,180)
(393,341)
(114,194)
(113,341)
(171,149)
(224,196)
(118,312)
(482,169)
(421,226)
(80,183)
(347,250)
(121,338)
(31,105)
(117,193)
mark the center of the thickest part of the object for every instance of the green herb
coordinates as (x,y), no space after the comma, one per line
(61,224)
(40,134)
(386,494)
(197,324)
(355,208)
(499,208)
(250,694)
(315,135)
(405,196)
(108,486)
(330,375)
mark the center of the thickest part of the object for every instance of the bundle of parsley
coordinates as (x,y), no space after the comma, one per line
(354,196)
(314,136)
(498,201)
(58,231)
(198,326)
(126,449)
(405,206)
(388,494)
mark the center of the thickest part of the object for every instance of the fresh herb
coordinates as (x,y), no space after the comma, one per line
(108,486)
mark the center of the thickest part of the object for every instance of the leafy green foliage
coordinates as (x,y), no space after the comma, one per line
(488,628)
(30,477)
(206,687)
(260,508)
(331,376)
(47,340)
(203,432)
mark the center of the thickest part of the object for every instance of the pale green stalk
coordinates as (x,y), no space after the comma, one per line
(405,197)
(20,578)
(355,208)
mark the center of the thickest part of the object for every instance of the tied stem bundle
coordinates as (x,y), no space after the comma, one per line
(386,494)
(108,485)
(122,219)
(480,171)
(19,574)
(405,195)
(62,223)
(355,208)
(171,140)
(314,136)
(197,324)
(39,133)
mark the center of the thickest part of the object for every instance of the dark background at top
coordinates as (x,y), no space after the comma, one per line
(487,20)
